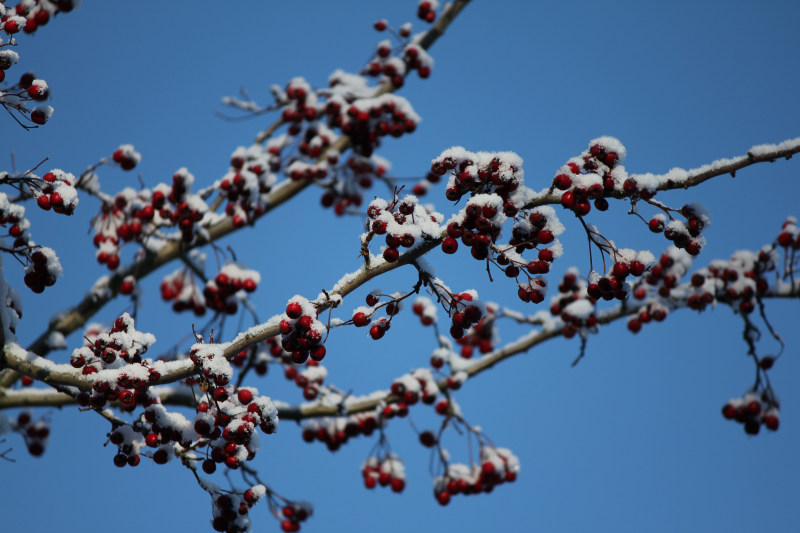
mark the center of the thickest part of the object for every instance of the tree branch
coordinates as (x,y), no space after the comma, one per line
(69,320)
(180,396)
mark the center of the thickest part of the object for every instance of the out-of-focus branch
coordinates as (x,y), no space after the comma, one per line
(69,320)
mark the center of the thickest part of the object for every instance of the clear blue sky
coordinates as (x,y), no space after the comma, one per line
(629,440)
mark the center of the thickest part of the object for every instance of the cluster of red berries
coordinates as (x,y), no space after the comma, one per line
(243,185)
(652,311)
(395,68)
(57,192)
(789,237)
(231,509)
(612,285)
(302,333)
(667,272)
(35,433)
(28,16)
(300,105)
(498,466)
(211,361)
(412,388)
(753,411)
(367,120)
(309,380)
(220,292)
(230,422)
(571,293)
(480,336)
(534,290)
(358,173)
(128,218)
(42,270)
(379,326)
(686,235)
(426,10)
(121,348)
(594,175)
(465,311)
(188,208)
(482,172)
(404,222)
(293,514)
(425,309)
(336,431)
(9,58)
(126,157)
(181,287)
(387,471)
(478,228)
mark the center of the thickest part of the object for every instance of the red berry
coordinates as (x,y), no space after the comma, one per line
(244,396)
(294,310)
(449,245)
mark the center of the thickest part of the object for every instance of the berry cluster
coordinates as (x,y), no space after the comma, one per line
(57,192)
(668,271)
(231,510)
(593,175)
(753,411)
(210,360)
(394,68)
(187,209)
(478,228)
(42,265)
(426,311)
(29,15)
(126,157)
(471,173)
(789,237)
(336,431)
(302,332)
(686,235)
(358,173)
(652,311)
(366,120)
(229,422)
(426,10)
(35,433)
(300,104)
(42,270)
(114,358)
(412,388)
(481,335)
(379,326)
(465,311)
(384,471)
(404,222)
(309,380)
(497,466)
(181,287)
(613,285)
(293,514)
(248,178)
(220,293)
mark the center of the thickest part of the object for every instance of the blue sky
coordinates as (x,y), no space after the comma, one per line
(629,440)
